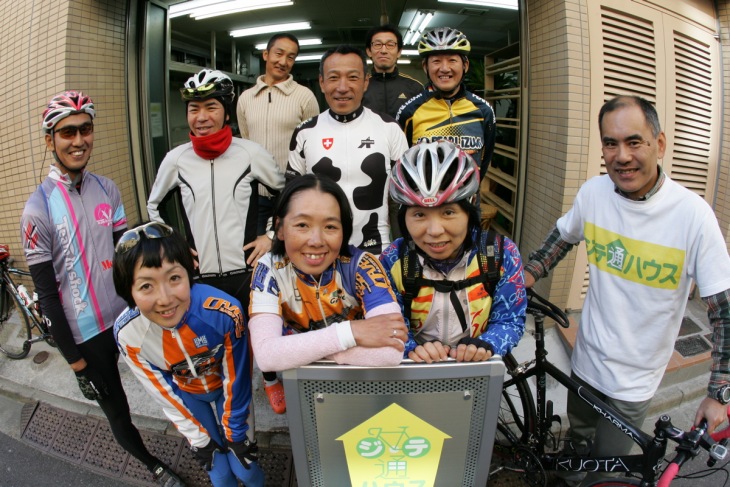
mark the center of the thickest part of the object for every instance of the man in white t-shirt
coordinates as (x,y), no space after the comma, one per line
(647,238)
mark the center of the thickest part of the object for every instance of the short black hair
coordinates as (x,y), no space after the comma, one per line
(153,252)
(344,49)
(284,35)
(320,183)
(650,114)
(384,28)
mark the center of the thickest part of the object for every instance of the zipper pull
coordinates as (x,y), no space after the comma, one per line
(269,96)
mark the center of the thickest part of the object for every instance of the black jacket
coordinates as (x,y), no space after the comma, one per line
(388,91)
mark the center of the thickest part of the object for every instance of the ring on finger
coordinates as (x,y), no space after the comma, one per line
(395,332)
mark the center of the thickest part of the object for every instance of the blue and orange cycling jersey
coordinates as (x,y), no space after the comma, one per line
(206,351)
(345,291)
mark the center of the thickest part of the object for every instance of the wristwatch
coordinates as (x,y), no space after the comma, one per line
(722,394)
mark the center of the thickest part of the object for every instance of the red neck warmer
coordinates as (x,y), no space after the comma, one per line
(212,146)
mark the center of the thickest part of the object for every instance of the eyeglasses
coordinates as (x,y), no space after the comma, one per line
(202,91)
(69,131)
(131,238)
(390,45)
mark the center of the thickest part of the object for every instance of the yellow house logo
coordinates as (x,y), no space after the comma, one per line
(393,448)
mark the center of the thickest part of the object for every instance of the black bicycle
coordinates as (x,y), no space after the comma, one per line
(21,321)
(525,447)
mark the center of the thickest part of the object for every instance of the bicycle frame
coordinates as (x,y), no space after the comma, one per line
(32,315)
(653,448)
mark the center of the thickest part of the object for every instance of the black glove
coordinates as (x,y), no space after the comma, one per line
(204,454)
(246,451)
(477,343)
(91,384)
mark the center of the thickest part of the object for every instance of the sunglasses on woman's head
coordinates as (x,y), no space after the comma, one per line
(131,238)
(69,131)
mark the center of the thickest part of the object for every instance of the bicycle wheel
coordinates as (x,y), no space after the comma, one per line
(15,329)
(513,460)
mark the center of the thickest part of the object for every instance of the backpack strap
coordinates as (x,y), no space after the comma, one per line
(410,269)
(489,275)
(489,262)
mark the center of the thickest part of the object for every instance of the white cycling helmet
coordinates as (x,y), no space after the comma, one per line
(208,83)
(433,174)
(443,40)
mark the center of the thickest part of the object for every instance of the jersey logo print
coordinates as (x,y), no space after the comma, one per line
(31,235)
(327,143)
(325,167)
(103,214)
(371,241)
(366,143)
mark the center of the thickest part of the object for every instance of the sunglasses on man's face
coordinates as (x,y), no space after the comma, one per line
(69,131)
(197,93)
(131,238)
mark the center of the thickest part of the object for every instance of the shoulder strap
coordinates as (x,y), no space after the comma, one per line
(489,262)
(410,270)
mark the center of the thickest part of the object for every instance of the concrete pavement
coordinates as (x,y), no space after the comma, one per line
(23,381)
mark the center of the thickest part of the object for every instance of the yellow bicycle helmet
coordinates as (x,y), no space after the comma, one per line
(443,40)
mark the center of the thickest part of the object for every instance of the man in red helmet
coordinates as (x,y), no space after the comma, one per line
(69,227)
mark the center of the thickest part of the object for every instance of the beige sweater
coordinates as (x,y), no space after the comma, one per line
(268,115)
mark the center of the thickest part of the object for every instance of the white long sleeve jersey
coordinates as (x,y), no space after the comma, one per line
(219,197)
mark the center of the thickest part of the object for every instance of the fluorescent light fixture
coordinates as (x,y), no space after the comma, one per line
(203,9)
(409,52)
(418,25)
(400,61)
(302,42)
(267,29)
(200,15)
(510,4)
(310,57)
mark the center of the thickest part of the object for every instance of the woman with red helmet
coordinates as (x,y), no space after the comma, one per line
(461,288)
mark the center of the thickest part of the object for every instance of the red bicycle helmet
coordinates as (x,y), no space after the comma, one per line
(66,104)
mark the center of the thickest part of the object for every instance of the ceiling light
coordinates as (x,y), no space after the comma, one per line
(267,29)
(203,9)
(310,57)
(510,4)
(418,25)
(302,42)
(400,61)
(409,52)
(234,10)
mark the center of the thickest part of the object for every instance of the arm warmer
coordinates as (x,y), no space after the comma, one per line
(44,281)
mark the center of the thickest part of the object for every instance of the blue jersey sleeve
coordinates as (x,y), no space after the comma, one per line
(388,259)
(509,303)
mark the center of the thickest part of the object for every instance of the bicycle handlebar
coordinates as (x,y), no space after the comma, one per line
(538,304)
(722,434)
(689,444)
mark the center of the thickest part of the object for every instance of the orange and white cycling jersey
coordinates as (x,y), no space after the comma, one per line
(345,291)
